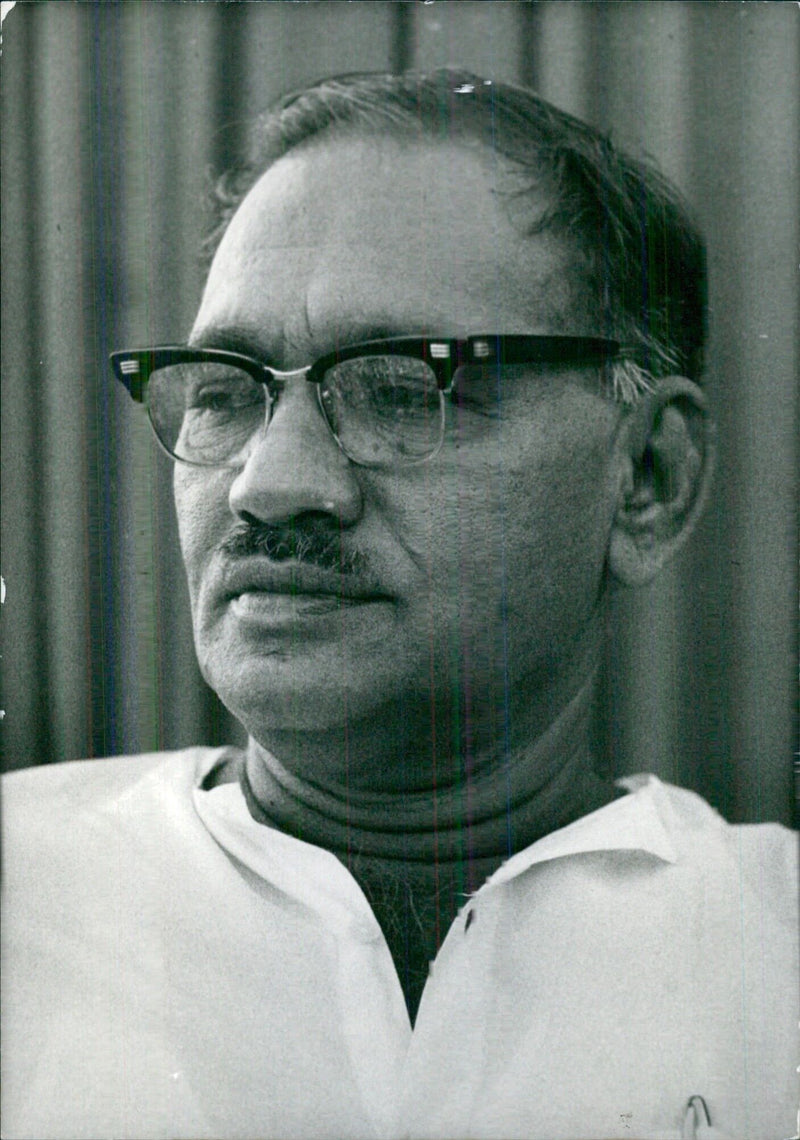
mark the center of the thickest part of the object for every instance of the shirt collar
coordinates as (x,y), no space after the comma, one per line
(633,823)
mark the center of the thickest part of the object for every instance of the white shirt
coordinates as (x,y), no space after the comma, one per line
(173,968)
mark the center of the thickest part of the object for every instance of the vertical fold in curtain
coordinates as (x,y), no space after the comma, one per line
(113,118)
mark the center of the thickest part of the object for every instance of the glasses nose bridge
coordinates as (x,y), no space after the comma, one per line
(274,480)
(274,381)
(278,374)
(276,378)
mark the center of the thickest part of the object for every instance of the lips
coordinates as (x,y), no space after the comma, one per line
(254,576)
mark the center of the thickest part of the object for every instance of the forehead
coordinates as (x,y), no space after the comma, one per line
(346,238)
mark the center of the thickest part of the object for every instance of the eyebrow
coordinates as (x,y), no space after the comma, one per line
(248,342)
(232,339)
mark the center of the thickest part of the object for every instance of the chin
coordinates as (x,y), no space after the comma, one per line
(283,692)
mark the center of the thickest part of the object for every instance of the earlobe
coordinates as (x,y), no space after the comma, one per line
(666,452)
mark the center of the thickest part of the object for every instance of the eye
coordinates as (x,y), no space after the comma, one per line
(384,385)
(403,394)
(211,399)
(223,396)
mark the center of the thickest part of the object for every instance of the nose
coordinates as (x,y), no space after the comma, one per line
(295,466)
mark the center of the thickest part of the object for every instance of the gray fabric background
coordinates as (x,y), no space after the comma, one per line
(113,116)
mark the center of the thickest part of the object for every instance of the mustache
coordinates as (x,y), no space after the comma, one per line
(311,541)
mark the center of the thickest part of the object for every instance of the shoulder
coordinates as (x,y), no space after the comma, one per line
(87,840)
(55,810)
(686,813)
(80,783)
(762,858)
(696,819)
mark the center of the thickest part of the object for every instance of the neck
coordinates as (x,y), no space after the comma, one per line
(505,799)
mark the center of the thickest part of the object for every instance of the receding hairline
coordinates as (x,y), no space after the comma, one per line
(630,224)
(553,283)
(512,185)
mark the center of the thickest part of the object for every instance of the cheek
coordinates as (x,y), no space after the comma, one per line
(560,533)
(533,523)
(201,506)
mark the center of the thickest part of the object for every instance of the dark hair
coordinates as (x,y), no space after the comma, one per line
(645,257)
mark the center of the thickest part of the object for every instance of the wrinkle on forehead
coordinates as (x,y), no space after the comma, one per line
(450,187)
(356,231)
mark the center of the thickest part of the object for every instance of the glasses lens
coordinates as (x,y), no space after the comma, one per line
(204,412)
(384,409)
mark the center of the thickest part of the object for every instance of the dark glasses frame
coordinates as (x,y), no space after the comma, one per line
(444,355)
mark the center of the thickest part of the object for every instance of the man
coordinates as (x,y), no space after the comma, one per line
(441,397)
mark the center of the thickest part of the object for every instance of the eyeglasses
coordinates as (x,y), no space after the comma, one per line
(383,401)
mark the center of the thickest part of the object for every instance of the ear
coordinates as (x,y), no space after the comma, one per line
(666,450)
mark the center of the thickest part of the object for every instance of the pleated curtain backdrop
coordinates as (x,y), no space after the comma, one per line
(114,115)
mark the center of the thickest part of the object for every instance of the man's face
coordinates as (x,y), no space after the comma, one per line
(480,570)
